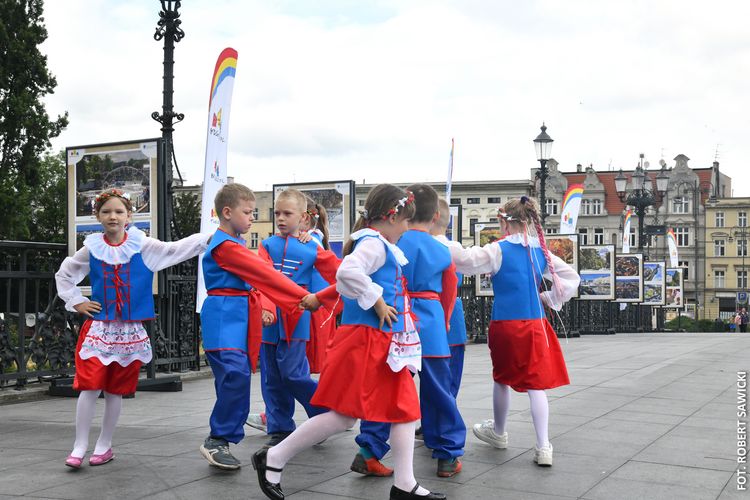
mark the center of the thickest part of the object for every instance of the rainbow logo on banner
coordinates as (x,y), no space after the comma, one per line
(571,207)
(626,232)
(226,66)
(672,244)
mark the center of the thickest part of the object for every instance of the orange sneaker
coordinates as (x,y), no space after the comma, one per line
(448,467)
(370,466)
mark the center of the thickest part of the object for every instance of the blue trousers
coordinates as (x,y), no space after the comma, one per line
(285,376)
(442,425)
(232,383)
(457,367)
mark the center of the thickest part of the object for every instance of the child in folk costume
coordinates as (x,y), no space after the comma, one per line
(526,355)
(366,374)
(457,330)
(322,321)
(432,284)
(232,318)
(112,343)
(284,366)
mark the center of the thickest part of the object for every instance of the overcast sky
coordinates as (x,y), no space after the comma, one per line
(374,90)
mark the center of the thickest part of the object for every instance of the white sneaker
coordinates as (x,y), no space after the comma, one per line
(486,432)
(257,421)
(543,456)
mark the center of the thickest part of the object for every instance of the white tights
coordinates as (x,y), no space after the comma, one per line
(539,411)
(322,426)
(85,409)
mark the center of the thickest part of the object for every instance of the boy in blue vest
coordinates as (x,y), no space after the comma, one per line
(283,353)
(233,316)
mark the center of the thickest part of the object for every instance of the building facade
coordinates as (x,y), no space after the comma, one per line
(727,260)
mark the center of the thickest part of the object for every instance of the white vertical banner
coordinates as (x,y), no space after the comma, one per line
(626,232)
(570,208)
(449,182)
(215,174)
(674,258)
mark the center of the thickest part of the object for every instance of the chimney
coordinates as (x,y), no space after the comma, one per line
(579,168)
(717,180)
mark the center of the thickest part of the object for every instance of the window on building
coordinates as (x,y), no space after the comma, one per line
(253,240)
(583,236)
(255,213)
(472,201)
(596,207)
(686,268)
(493,219)
(270,213)
(361,203)
(551,205)
(680,205)
(741,248)
(719,219)
(719,249)
(718,278)
(682,234)
(551,230)
(455,201)
(742,279)
(472,223)
(494,199)
(742,219)
(598,236)
(586,207)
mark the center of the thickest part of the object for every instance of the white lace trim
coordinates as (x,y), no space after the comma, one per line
(405,350)
(396,251)
(523,239)
(114,255)
(116,341)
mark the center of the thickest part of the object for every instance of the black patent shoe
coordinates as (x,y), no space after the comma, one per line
(398,494)
(271,490)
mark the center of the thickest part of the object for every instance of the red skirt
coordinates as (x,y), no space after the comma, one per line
(356,381)
(320,337)
(93,375)
(526,355)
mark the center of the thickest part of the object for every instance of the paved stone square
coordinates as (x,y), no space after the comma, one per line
(647,416)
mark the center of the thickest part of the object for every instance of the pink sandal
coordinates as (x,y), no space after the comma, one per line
(74,462)
(102,459)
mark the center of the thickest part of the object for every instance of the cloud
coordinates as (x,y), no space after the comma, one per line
(376,89)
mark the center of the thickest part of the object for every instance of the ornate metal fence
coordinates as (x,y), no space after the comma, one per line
(38,336)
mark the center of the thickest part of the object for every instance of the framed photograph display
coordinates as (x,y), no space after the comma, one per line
(629,277)
(484,233)
(653,283)
(130,166)
(597,270)
(338,199)
(564,246)
(674,287)
(455,224)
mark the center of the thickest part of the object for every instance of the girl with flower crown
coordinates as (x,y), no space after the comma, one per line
(112,343)
(367,370)
(526,355)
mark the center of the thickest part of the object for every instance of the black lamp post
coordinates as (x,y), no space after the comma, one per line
(543,146)
(167,29)
(641,197)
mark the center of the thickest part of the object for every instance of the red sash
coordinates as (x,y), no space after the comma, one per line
(254,320)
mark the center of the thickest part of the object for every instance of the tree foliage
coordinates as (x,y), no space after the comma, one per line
(187,214)
(25,127)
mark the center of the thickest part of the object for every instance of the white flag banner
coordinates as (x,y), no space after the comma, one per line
(215,174)
(626,232)
(570,208)
(674,260)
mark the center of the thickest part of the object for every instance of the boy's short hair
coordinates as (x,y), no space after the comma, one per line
(294,195)
(426,201)
(230,196)
(445,213)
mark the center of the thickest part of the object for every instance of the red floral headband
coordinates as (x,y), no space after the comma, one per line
(101,198)
(406,200)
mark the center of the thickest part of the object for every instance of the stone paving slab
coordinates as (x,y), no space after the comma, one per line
(647,416)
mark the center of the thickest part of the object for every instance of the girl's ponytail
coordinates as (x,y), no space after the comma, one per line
(349,245)
(323,224)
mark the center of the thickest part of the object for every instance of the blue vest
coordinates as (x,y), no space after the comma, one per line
(457,333)
(223,318)
(388,276)
(516,284)
(296,261)
(428,258)
(131,281)
(317,283)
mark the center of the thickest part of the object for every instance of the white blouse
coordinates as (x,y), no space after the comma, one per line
(156,254)
(489,259)
(353,276)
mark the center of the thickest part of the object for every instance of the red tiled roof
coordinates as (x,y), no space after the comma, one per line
(612,202)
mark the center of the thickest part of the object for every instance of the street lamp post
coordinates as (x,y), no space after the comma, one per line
(543,146)
(641,197)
